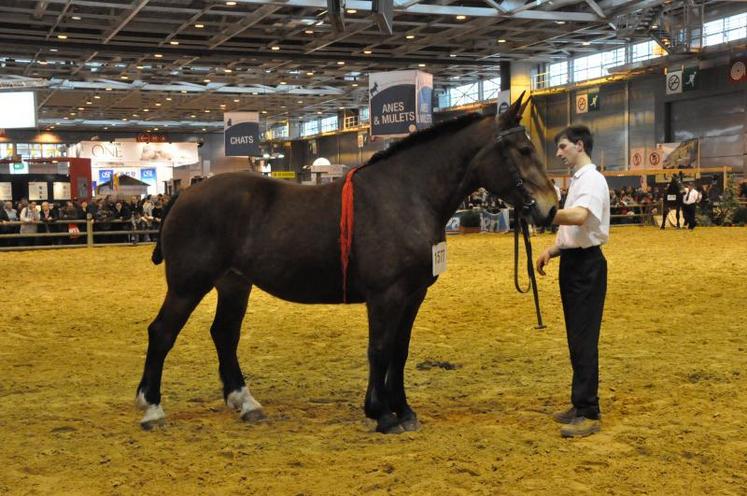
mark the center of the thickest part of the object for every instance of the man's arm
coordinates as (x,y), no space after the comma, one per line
(574,216)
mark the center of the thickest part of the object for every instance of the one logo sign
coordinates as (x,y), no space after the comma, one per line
(241,134)
(582,103)
(674,82)
(738,70)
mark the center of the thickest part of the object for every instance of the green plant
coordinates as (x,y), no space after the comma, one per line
(470,218)
(740,216)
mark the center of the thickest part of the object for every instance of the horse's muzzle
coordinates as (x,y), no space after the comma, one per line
(538,219)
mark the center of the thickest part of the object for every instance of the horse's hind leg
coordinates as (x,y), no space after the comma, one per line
(384,317)
(233,295)
(162,334)
(395,377)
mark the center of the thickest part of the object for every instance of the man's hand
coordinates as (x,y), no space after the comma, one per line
(545,257)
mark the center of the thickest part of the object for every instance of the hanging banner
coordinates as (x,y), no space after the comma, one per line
(504,101)
(582,103)
(105,175)
(38,191)
(674,82)
(148,176)
(241,134)
(134,154)
(738,69)
(399,102)
(60,190)
(6,191)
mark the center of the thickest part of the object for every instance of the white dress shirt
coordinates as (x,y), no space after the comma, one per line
(588,189)
(691,197)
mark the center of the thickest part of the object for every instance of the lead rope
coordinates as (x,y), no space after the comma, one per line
(521,223)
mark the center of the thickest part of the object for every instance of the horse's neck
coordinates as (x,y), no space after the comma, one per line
(437,172)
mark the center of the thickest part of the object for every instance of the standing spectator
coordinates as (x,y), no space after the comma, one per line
(47,219)
(584,226)
(29,222)
(8,214)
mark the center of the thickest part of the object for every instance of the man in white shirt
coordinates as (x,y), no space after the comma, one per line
(692,197)
(584,227)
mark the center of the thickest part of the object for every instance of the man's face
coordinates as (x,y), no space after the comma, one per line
(568,152)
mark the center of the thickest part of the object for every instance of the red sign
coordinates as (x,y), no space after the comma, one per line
(653,158)
(151,138)
(738,69)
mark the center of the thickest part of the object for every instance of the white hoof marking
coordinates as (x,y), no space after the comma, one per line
(243,401)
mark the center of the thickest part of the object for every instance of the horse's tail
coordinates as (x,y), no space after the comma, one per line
(157,256)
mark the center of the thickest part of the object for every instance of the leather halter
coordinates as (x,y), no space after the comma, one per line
(528,202)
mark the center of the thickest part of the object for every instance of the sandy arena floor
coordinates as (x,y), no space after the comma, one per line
(673,381)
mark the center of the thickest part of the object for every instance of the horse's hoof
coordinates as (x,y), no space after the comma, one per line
(153,417)
(388,424)
(149,425)
(252,416)
(411,425)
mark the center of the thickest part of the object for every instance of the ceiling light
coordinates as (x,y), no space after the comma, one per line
(158,104)
(106,128)
(410,37)
(228,71)
(452,55)
(230,4)
(207,111)
(368,52)
(283,82)
(52,49)
(158,55)
(146,110)
(501,41)
(341,108)
(559,22)
(309,31)
(586,43)
(122,77)
(351,11)
(421,65)
(66,118)
(89,103)
(76,18)
(205,80)
(168,98)
(139,67)
(97,97)
(310,73)
(183,91)
(135,115)
(275,47)
(62,36)
(199,26)
(193,116)
(461,17)
(81,108)
(155,129)
(299,101)
(236,100)
(108,89)
(355,85)
(263,112)
(319,112)
(340,62)
(42,62)
(173,43)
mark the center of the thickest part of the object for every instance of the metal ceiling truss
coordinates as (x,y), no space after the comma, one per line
(186,60)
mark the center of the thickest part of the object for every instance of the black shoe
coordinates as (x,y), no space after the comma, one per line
(581,427)
(565,417)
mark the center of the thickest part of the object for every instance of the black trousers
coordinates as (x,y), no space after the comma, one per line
(690,215)
(583,286)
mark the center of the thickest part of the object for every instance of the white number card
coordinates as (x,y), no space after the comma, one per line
(439,258)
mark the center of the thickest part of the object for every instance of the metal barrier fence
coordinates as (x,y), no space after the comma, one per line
(86,237)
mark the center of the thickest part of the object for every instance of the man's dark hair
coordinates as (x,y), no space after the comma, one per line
(577,133)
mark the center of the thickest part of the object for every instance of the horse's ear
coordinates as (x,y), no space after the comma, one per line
(513,113)
(524,106)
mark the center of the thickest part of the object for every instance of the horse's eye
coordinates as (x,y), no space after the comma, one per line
(525,150)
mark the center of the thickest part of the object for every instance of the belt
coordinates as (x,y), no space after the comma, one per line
(579,251)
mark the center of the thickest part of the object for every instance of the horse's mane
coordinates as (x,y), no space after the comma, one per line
(425,135)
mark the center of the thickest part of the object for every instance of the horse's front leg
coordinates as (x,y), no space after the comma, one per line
(395,376)
(384,317)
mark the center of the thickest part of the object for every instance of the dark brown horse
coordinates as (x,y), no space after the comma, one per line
(237,230)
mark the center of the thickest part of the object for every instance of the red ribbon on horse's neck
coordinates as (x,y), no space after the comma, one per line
(346,228)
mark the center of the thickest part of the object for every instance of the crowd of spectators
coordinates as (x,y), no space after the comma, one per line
(108,214)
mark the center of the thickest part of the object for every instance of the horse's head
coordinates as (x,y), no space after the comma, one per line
(509,167)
